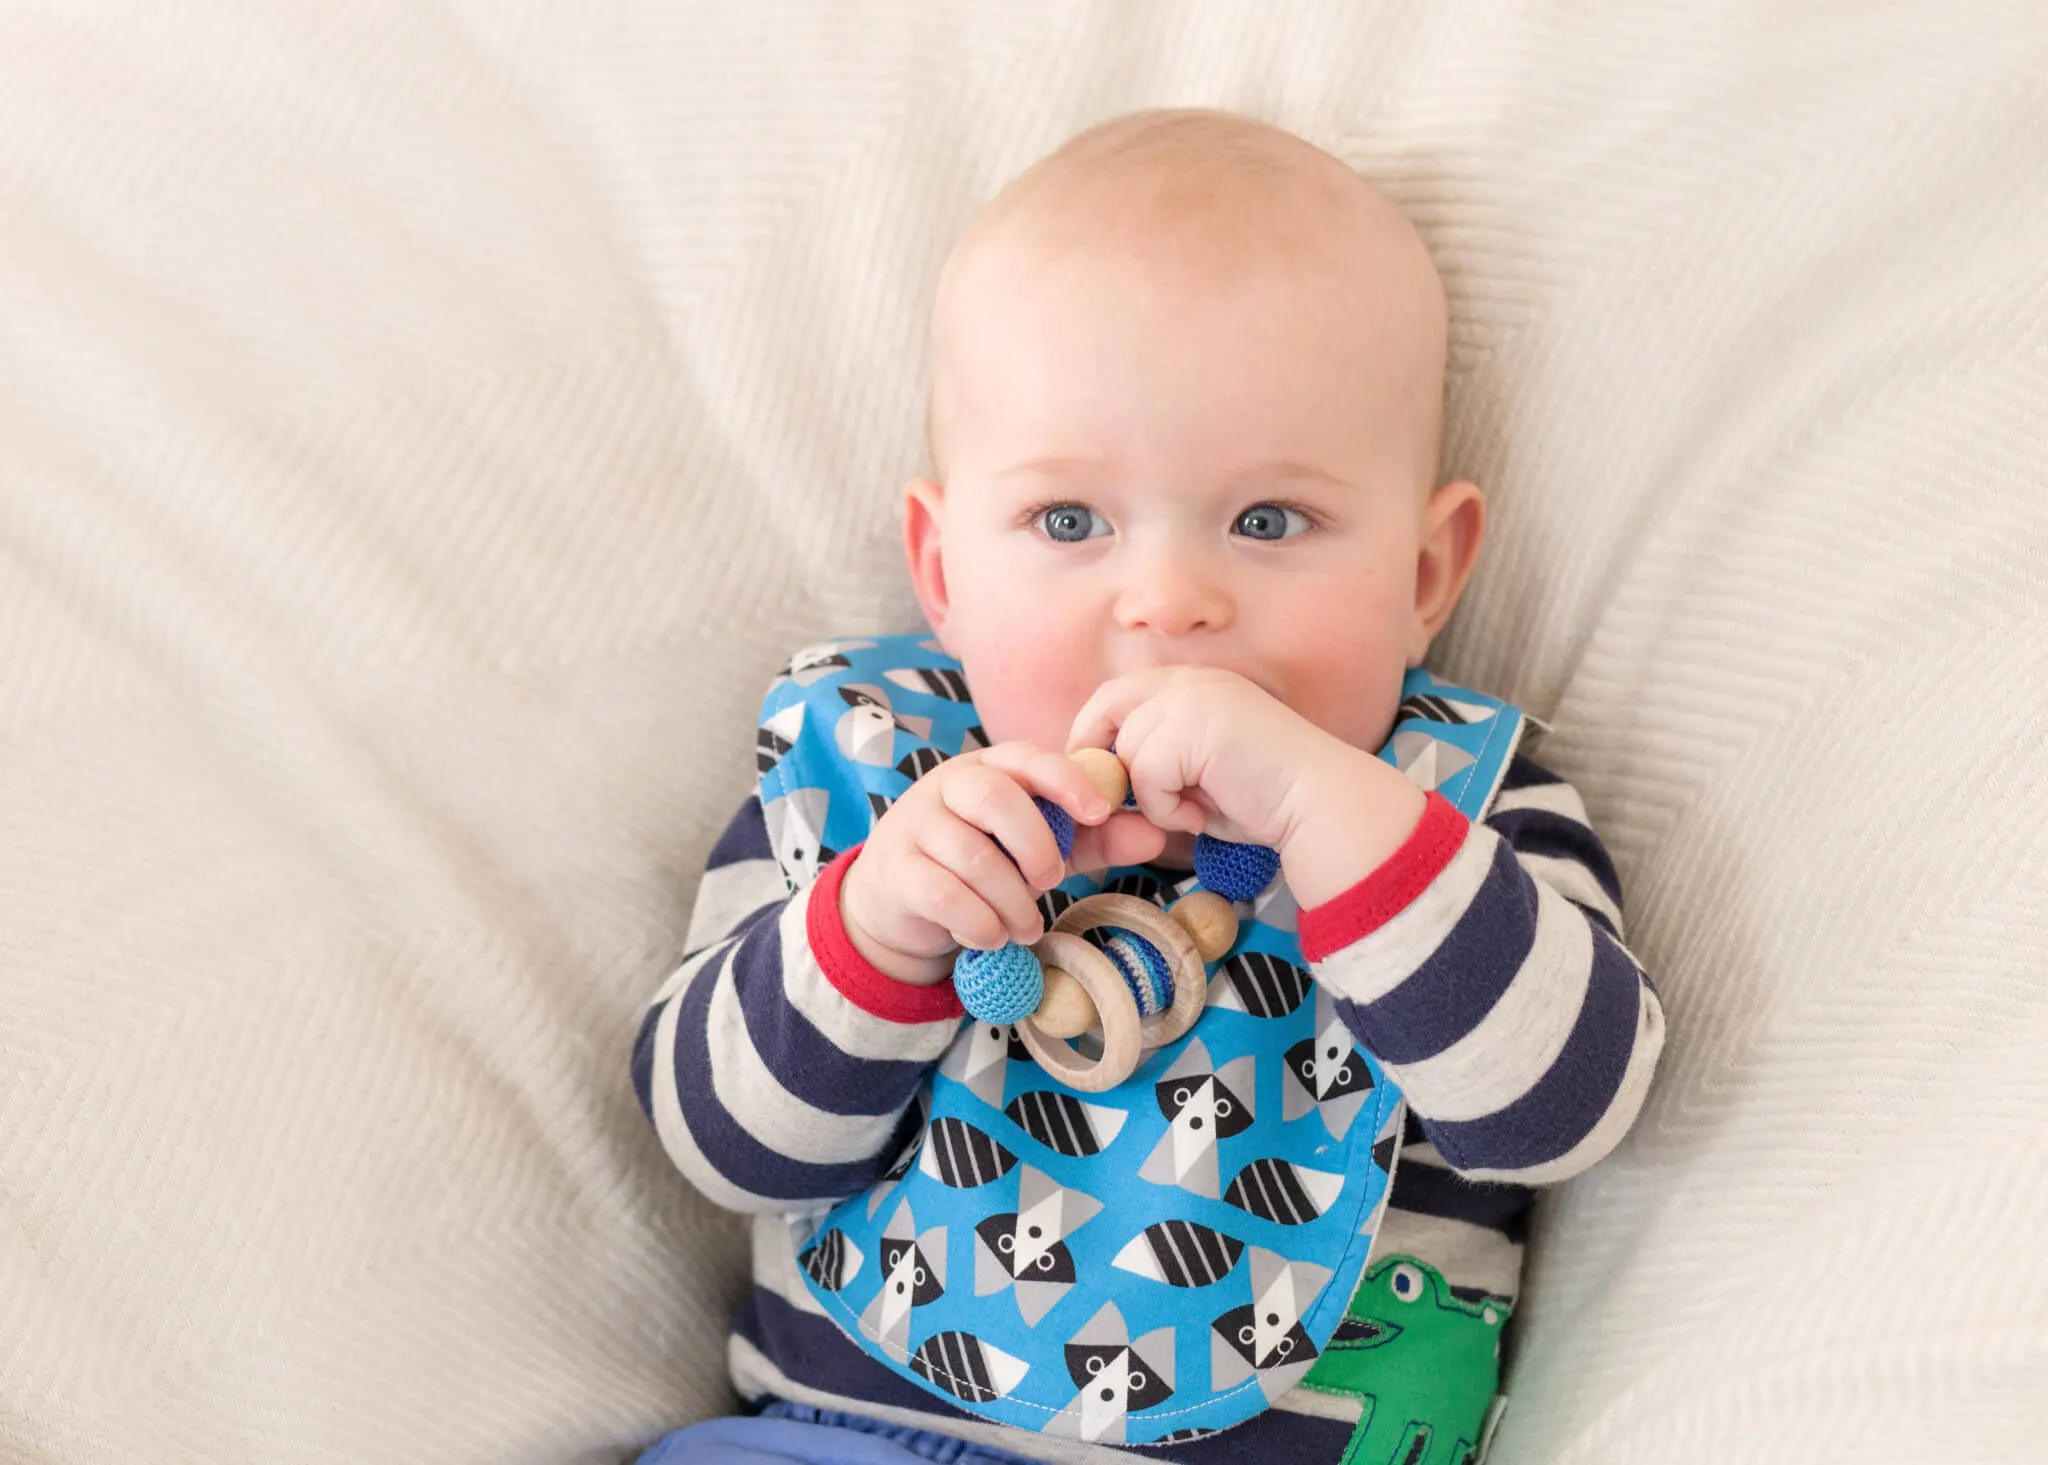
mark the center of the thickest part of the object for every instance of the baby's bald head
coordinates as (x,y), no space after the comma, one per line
(1200,199)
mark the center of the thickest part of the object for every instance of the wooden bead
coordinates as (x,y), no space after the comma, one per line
(1209,919)
(1066,1010)
(1106,771)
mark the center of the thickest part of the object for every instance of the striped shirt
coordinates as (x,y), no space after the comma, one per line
(1482,964)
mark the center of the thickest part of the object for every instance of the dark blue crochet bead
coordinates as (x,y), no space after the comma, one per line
(1234,871)
(1060,822)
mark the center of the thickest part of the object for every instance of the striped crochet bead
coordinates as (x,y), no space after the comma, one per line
(1143,969)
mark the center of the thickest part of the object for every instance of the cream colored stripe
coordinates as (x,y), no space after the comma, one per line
(1513,1046)
(772,1241)
(1549,798)
(1574,881)
(730,892)
(1621,1112)
(675,1131)
(757,1100)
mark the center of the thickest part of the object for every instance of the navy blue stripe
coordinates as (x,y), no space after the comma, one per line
(1460,981)
(1540,832)
(1430,1190)
(742,926)
(811,1350)
(1526,772)
(726,1143)
(745,837)
(1565,1104)
(803,1060)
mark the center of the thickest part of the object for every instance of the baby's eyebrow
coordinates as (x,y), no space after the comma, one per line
(1074,467)
(1287,469)
(1058,467)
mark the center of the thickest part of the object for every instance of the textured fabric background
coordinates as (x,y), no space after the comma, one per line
(423,428)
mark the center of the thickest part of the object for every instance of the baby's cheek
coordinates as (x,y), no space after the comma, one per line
(1030,694)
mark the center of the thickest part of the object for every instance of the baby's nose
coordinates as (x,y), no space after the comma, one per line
(1174,596)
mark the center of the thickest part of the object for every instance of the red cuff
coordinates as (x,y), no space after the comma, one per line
(859,980)
(1390,889)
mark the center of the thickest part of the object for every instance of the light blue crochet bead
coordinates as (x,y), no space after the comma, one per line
(1001,986)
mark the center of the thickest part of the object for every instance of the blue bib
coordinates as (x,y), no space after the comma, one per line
(1157,1261)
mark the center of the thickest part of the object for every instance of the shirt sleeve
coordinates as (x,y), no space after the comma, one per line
(1484,966)
(776,1064)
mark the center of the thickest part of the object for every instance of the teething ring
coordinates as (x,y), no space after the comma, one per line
(1142,918)
(1124,1035)
(1118,1017)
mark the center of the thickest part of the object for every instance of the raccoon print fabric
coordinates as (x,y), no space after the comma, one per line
(1161,1260)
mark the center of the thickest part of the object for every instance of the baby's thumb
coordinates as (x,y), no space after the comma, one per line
(1125,838)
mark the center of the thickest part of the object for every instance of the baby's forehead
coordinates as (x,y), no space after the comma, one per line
(1199,203)
(1226,188)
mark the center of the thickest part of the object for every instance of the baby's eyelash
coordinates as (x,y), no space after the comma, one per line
(1315,520)
(1030,517)
(1302,509)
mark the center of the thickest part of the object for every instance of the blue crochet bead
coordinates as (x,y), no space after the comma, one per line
(1234,871)
(1060,822)
(1001,986)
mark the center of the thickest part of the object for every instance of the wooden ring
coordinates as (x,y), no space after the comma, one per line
(1118,1014)
(1183,961)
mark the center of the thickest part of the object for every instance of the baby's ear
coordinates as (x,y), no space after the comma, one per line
(923,510)
(1453,523)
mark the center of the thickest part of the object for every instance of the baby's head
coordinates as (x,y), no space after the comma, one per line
(1186,406)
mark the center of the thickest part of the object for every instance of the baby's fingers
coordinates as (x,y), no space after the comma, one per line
(992,904)
(988,797)
(1052,776)
(936,894)
(1126,839)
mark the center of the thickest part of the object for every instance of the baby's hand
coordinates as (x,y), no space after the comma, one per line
(1211,752)
(933,877)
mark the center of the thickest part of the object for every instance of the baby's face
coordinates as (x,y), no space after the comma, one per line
(1156,463)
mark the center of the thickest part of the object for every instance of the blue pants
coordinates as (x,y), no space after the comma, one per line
(796,1434)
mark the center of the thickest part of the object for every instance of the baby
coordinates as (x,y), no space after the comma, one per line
(1185,414)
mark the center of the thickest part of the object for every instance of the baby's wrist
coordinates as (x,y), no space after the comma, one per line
(892,962)
(1352,817)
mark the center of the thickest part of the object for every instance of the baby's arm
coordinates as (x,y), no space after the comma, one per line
(777,1066)
(779,1062)
(1483,965)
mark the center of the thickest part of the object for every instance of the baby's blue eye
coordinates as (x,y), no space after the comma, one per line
(1072,523)
(1271,521)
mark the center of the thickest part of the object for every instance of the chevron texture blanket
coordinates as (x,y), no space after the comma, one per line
(423,429)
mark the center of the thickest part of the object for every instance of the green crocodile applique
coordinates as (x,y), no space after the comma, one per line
(1433,1357)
